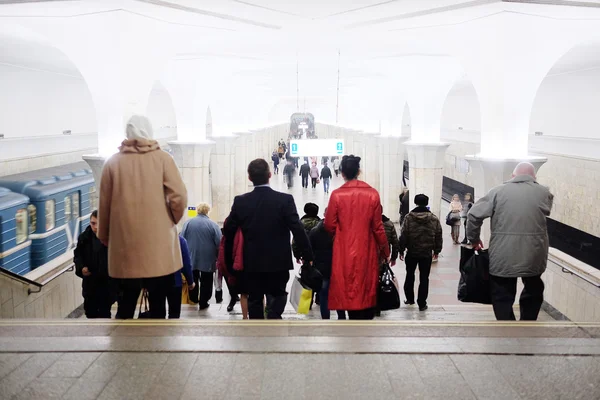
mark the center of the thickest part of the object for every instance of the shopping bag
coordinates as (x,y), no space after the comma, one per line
(144,303)
(474,283)
(185,293)
(388,296)
(300,297)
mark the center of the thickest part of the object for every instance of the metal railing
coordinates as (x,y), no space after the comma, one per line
(37,286)
(565,268)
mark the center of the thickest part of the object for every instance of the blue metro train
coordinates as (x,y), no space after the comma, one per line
(42,214)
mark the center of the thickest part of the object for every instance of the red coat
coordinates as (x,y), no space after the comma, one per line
(238,255)
(354,217)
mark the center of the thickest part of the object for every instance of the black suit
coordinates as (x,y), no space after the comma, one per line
(266,218)
(304,171)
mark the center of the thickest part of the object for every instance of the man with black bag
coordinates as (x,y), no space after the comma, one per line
(519,241)
(422,237)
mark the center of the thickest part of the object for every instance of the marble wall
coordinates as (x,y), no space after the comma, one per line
(56,300)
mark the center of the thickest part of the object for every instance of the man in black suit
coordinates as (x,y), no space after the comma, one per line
(266,218)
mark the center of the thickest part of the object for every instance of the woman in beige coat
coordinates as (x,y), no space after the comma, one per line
(142,198)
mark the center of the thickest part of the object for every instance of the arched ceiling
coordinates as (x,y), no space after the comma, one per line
(273,44)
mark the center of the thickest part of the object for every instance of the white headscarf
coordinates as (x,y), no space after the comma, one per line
(139,127)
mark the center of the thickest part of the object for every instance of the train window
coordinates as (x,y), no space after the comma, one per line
(32,211)
(67,208)
(21,220)
(75,205)
(93,198)
(50,221)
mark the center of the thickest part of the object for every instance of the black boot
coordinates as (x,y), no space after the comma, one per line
(219,296)
(231,304)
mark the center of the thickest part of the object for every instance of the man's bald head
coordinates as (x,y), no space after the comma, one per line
(524,168)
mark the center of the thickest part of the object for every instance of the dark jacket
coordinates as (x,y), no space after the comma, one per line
(421,234)
(288,170)
(187,265)
(309,223)
(322,244)
(404,203)
(91,253)
(266,218)
(275,159)
(392,237)
(326,173)
(304,170)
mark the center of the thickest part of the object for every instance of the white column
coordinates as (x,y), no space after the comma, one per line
(391,162)
(193,160)
(222,166)
(426,171)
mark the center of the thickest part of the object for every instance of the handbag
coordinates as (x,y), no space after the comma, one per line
(451,218)
(300,297)
(474,282)
(144,302)
(388,294)
(311,277)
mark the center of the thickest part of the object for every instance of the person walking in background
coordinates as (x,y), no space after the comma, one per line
(174,295)
(326,177)
(467,204)
(422,238)
(304,172)
(266,218)
(354,218)
(404,205)
(141,180)
(336,166)
(314,174)
(322,244)
(91,264)
(289,172)
(518,243)
(455,216)
(309,221)
(275,159)
(392,237)
(203,237)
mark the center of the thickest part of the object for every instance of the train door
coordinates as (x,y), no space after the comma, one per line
(72,213)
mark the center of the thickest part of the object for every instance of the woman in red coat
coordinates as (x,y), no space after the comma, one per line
(354,217)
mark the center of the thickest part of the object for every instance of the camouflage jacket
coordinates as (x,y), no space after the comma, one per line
(421,234)
(392,237)
(309,223)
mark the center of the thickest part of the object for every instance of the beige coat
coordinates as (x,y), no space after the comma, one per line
(142,198)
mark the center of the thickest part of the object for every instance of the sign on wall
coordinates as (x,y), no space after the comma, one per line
(317,147)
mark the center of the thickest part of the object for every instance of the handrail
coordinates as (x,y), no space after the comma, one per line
(568,270)
(16,277)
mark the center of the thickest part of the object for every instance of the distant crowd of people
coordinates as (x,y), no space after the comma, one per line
(120,254)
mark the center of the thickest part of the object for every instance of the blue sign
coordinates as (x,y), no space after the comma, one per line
(340,147)
(294,148)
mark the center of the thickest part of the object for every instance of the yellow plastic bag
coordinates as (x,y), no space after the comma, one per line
(300,297)
(185,294)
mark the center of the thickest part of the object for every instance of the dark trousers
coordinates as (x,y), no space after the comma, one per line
(98,298)
(193,294)
(174,301)
(314,182)
(424,265)
(269,284)
(157,288)
(324,302)
(304,181)
(206,287)
(504,292)
(368,313)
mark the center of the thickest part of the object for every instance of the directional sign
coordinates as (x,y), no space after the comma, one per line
(317,147)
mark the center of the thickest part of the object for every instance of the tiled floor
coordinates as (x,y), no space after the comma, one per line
(296,376)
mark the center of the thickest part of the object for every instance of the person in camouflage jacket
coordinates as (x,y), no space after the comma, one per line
(390,232)
(309,220)
(421,236)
